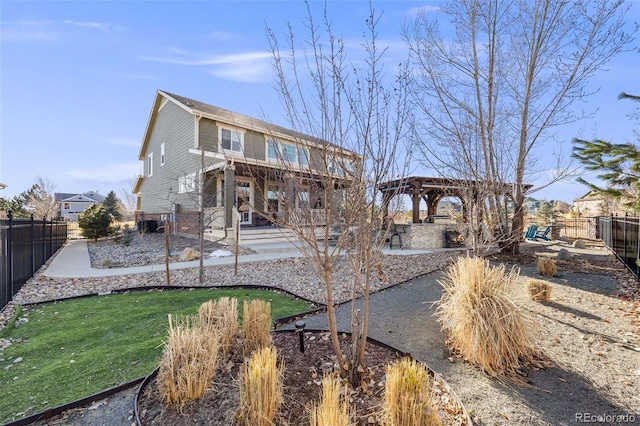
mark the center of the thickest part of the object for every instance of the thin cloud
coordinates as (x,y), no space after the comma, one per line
(47,30)
(246,67)
(415,11)
(101,26)
(107,173)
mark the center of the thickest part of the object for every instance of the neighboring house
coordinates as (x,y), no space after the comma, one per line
(595,204)
(244,159)
(73,204)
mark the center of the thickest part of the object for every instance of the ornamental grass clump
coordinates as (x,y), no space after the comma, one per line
(333,408)
(481,320)
(221,316)
(538,290)
(261,384)
(256,325)
(546,266)
(189,360)
(407,395)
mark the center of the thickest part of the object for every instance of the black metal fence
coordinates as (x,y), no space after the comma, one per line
(621,234)
(578,227)
(25,245)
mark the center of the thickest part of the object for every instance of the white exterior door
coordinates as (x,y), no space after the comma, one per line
(244,200)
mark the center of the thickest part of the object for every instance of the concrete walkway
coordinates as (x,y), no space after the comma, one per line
(72,261)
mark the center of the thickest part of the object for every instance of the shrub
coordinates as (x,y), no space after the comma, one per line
(256,325)
(95,222)
(333,408)
(546,266)
(188,362)
(106,263)
(538,290)
(407,395)
(222,316)
(480,319)
(260,388)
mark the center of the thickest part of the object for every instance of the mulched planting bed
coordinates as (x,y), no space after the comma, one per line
(302,385)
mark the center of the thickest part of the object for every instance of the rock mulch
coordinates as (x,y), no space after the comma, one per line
(294,275)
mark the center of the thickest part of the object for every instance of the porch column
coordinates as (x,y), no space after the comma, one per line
(415,198)
(229,195)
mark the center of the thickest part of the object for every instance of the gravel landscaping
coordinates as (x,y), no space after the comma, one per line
(589,332)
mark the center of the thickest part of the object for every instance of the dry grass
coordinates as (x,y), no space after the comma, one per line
(189,360)
(260,388)
(256,325)
(481,320)
(546,266)
(538,290)
(221,316)
(334,408)
(407,395)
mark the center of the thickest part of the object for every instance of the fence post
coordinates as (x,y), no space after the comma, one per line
(31,239)
(10,252)
(624,237)
(44,237)
(638,250)
(51,238)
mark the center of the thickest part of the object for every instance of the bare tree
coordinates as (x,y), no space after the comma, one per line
(359,119)
(494,92)
(41,200)
(128,198)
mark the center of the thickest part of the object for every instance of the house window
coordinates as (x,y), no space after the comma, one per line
(187,183)
(231,140)
(292,154)
(150,165)
(66,206)
(162,158)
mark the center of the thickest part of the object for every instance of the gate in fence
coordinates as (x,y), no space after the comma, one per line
(25,245)
(621,234)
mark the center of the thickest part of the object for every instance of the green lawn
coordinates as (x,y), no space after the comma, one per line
(75,348)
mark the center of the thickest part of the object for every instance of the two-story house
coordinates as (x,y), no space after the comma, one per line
(233,165)
(71,205)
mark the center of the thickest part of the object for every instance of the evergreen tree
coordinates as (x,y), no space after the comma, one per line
(113,205)
(618,166)
(95,221)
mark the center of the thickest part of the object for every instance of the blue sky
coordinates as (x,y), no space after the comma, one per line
(77,79)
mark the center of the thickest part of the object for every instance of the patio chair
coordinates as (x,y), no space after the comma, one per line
(531,232)
(543,235)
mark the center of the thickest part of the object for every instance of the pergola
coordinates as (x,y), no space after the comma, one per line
(432,190)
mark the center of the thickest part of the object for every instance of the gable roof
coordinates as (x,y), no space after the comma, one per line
(591,196)
(90,196)
(228,117)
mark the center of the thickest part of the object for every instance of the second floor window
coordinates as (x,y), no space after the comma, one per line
(286,152)
(231,140)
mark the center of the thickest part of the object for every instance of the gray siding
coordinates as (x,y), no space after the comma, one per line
(174,127)
(254,145)
(208,134)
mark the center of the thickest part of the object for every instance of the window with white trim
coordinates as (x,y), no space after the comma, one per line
(187,183)
(162,157)
(231,140)
(150,165)
(287,152)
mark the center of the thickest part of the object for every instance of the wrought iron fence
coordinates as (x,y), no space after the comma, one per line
(621,234)
(25,245)
(579,227)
